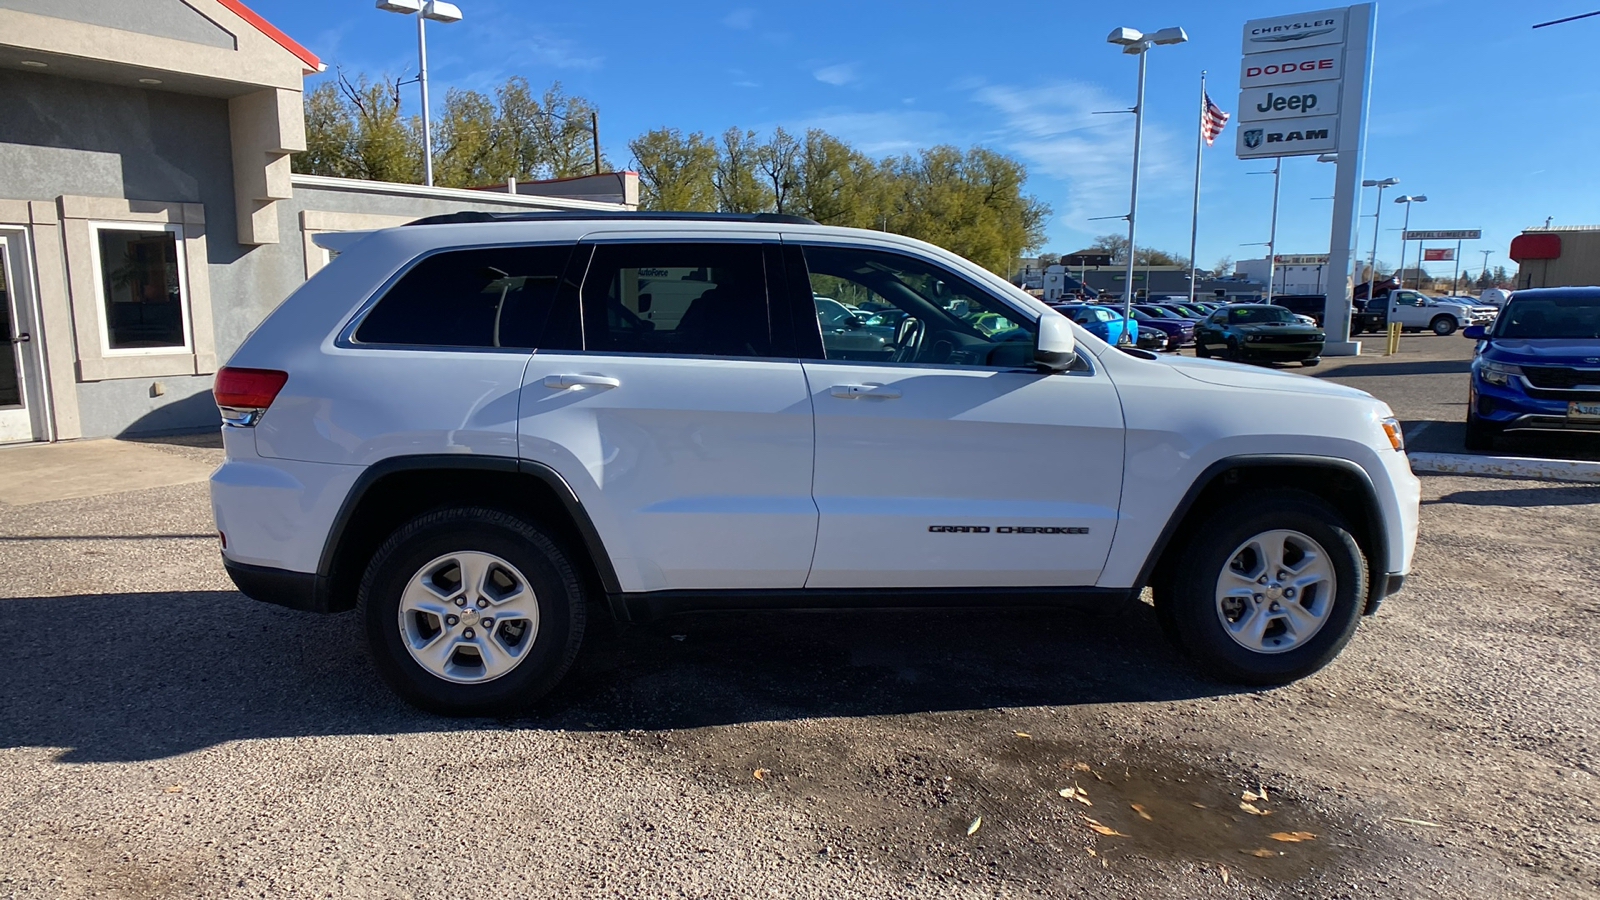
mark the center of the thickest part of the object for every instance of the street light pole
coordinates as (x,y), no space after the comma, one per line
(1409,199)
(1137,43)
(1377,221)
(439,11)
(1272,234)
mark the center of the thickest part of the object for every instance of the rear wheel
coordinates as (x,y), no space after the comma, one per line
(471,611)
(1308,363)
(1269,590)
(1442,325)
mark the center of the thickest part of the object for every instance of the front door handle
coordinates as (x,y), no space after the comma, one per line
(22,338)
(562,382)
(852,391)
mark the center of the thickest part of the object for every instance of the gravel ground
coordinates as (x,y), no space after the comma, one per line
(161,736)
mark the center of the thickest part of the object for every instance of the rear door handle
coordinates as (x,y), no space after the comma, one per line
(852,391)
(22,338)
(562,382)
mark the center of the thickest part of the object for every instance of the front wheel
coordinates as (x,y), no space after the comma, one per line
(1235,352)
(1309,363)
(1480,434)
(471,611)
(1201,350)
(1269,589)
(1442,325)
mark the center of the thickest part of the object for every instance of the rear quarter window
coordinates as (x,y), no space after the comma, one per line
(493,297)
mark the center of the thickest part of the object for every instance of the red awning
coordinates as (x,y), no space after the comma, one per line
(1540,245)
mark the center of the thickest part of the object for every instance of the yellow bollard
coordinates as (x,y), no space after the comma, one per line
(1394,339)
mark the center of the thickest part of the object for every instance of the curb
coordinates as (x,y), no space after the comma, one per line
(1506,467)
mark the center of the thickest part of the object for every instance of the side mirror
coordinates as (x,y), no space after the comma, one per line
(1475,332)
(852,323)
(1055,347)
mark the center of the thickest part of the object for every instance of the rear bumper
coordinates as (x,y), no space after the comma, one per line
(296,590)
(1389,584)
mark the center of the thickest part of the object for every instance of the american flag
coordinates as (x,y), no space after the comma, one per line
(1212,118)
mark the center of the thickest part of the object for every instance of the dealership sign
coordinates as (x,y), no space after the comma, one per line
(1303,30)
(1301,259)
(1438,254)
(1290,84)
(1289,137)
(1463,234)
(1291,67)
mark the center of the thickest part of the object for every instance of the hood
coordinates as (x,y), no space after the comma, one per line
(1279,327)
(1254,378)
(1577,352)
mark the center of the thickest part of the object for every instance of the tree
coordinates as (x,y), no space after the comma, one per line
(1049,259)
(735,179)
(1223,266)
(1117,246)
(776,162)
(676,172)
(1502,279)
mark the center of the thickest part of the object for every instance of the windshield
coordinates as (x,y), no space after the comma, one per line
(1256,315)
(1553,317)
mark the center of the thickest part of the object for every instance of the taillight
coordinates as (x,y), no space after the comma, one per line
(244,394)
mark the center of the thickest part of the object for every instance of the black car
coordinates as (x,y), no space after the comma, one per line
(1258,331)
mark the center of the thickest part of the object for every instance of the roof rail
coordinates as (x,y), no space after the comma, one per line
(476,216)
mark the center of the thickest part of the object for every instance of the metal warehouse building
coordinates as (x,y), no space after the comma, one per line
(1557,256)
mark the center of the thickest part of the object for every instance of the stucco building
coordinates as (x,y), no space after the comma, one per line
(148,215)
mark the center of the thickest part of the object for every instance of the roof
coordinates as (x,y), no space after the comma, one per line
(1558,293)
(312,63)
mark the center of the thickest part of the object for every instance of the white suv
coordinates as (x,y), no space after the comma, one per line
(477,428)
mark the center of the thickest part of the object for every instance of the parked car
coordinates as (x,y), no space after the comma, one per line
(849,336)
(449,432)
(1416,311)
(1537,367)
(1178,332)
(1100,320)
(1258,331)
(1496,297)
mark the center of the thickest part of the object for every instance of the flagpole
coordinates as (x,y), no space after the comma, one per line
(1194,216)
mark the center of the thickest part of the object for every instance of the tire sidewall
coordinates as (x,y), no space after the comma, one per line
(557,592)
(1194,612)
(1443,325)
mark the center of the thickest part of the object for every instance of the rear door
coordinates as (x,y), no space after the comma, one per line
(678,411)
(956,463)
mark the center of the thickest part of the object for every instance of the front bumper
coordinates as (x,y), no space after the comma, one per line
(305,591)
(1280,352)
(1511,408)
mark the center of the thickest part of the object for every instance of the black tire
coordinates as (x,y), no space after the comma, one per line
(557,590)
(1480,434)
(1201,350)
(1234,351)
(1443,325)
(1310,363)
(1187,603)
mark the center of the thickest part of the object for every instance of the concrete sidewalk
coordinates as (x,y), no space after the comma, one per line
(38,473)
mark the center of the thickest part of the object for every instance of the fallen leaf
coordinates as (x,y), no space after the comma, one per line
(1140,810)
(1081,767)
(1097,828)
(680,637)
(1252,796)
(759,773)
(1075,793)
(1415,822)
(1293,837)
(1224,874)
(1252,810)
(173,789)
(1198,805)
(1262,853)
(1104,864)
(1022,734)
(976,824)
(1262,790)
(1091,851)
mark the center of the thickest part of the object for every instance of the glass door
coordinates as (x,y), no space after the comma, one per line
(16,351)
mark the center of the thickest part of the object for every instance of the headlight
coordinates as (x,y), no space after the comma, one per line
(1252,337)
(1498,373)
(1397,438)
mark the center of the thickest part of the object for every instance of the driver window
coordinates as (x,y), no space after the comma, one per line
(884,307)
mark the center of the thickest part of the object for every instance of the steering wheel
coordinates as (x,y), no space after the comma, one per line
(908,339)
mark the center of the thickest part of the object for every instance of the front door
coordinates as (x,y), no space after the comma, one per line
(19,394)
(955,463)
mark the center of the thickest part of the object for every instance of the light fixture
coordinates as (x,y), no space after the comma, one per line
(1381,183)
(149,81)
(34,63)
(440,11)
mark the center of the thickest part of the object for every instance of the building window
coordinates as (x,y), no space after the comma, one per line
(143,294)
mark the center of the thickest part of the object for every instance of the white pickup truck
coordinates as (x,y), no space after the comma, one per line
(1415,311)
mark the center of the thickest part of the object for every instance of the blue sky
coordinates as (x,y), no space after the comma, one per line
(1495,122)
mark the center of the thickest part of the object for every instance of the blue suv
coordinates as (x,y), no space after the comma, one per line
(1537,367)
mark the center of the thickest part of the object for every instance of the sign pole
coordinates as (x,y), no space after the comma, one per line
(1456,275)
(1359,28)
(1272,234)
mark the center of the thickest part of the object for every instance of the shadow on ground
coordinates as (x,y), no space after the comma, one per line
(1418,367)
(119,677)
(1523,498)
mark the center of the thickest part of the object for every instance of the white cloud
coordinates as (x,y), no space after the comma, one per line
(839,75)
(882,133)
(1054,130)
(740,19)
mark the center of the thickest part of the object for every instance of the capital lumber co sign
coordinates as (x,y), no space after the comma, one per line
(1290,84)
(1460,234)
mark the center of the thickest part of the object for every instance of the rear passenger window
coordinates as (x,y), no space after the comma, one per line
(493,297)
(685,299)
